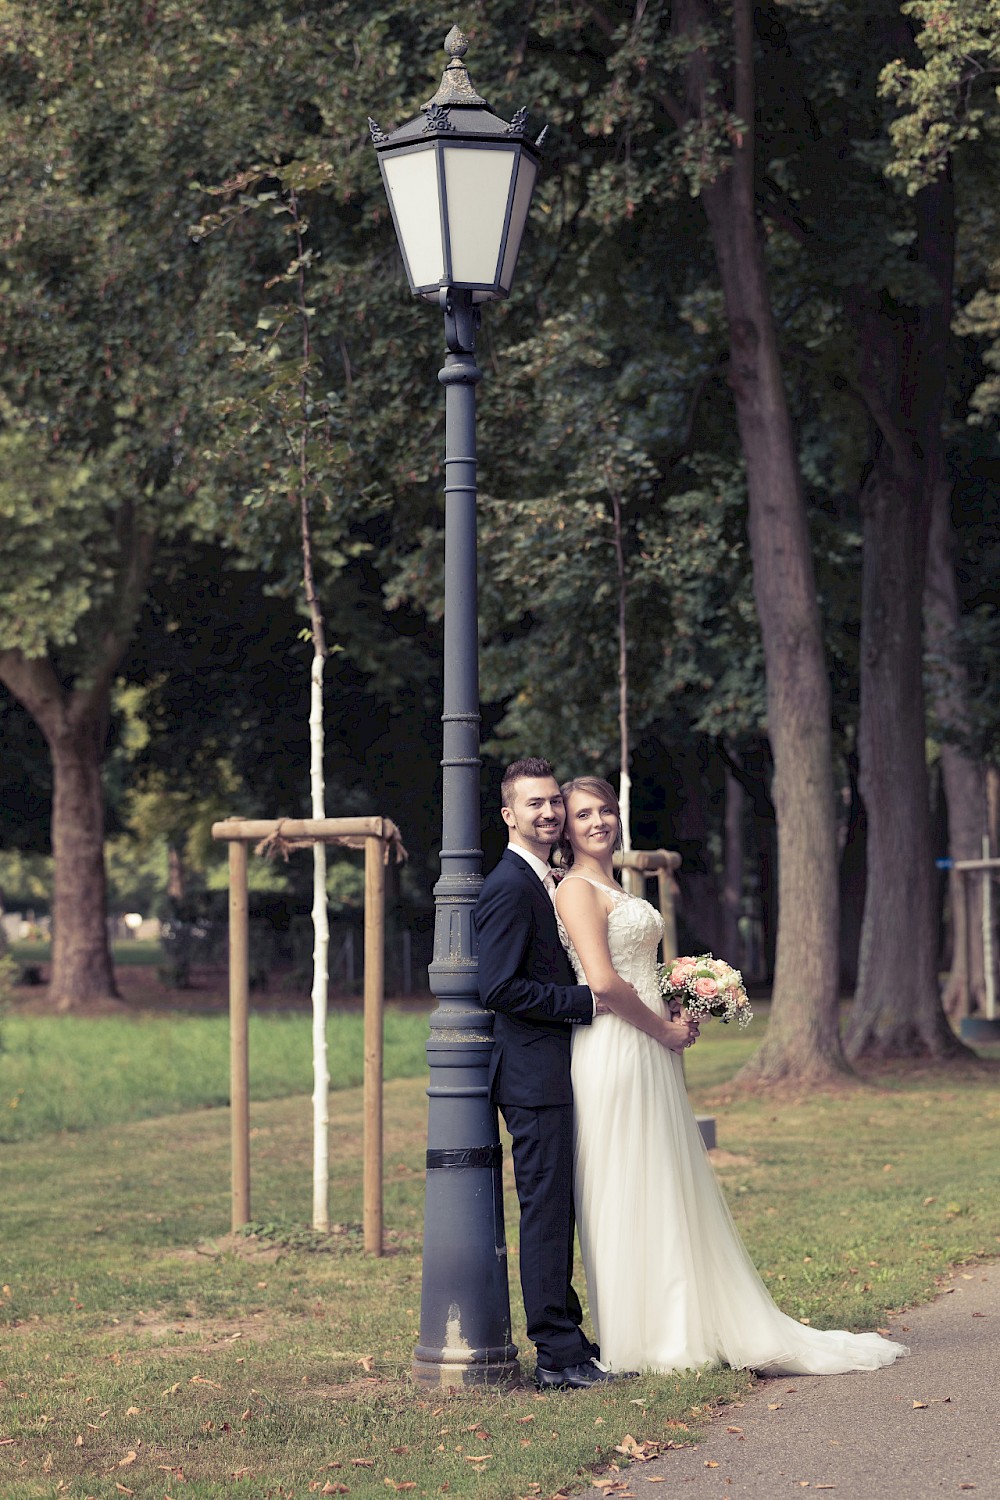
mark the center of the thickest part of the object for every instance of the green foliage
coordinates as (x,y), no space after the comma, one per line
(951,98)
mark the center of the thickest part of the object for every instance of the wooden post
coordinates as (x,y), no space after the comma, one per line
(665,889)
(239,1051)
(988,963)
(374,993)
(961,944)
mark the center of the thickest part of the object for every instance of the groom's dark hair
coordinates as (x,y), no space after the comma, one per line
(520,770)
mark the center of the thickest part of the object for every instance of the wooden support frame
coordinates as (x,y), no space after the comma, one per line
(380,838)
(987,869)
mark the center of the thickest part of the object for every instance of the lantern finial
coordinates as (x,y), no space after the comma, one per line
(456,85)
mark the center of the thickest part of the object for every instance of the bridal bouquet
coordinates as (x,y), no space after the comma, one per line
(706,987)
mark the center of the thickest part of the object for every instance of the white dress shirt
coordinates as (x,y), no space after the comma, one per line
(539,867)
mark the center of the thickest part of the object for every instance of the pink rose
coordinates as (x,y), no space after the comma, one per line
(706,989)
(682,971)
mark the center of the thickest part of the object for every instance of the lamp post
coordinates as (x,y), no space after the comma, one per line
(459,182)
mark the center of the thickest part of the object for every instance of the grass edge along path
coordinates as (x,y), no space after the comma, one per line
(144,1353)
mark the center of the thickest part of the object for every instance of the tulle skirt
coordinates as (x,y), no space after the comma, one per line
(669,1282)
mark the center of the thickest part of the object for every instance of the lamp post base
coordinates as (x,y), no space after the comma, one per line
(442,1369)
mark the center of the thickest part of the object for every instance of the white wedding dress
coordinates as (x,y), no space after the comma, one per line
(670,1284)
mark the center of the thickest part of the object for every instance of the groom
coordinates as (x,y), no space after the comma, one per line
(525,978)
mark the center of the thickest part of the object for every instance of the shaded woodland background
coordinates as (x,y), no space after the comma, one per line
(753,354)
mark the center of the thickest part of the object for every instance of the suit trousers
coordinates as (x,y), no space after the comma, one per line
(542,1151)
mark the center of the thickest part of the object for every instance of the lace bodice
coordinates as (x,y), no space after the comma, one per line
(634,932)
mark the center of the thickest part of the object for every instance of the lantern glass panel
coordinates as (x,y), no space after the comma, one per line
(412,182)
(527,171)
(477,183)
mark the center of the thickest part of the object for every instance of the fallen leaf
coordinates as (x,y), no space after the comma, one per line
(203,1380)
(363,1463)
(774,1406)
(132,1411)
(710,1463)
(78,1441)
(401,1449)
(477,1458)
(529,1418)
(367,1362)
(334,1489)
(123,1489)
(979,1315)
(129,1458)
(920,1405)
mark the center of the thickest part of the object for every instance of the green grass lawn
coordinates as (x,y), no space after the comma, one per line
(145,1352)
(73,1073)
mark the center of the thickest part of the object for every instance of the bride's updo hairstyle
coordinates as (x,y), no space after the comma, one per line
(595,786)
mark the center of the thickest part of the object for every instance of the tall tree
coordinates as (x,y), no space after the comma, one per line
(108,336)
(948,124)
(719,101)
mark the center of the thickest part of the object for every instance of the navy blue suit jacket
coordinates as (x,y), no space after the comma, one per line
(526,979)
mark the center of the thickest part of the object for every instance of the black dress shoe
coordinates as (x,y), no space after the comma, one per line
(574,1378)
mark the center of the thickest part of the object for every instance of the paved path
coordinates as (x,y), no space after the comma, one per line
(926,1426)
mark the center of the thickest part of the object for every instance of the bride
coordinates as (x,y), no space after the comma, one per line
(670,1284)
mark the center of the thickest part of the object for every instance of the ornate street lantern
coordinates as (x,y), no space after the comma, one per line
(459,182)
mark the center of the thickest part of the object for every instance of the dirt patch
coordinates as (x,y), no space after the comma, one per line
(243,1246)
(720,1158)
(198,1335)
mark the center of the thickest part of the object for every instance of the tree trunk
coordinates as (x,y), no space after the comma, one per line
(803,1040)
(176,882)
(81,957)
(897,1008)
(732,873)
(964,778)
(75,725)
(853,872)
(74,721)
(699,913)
